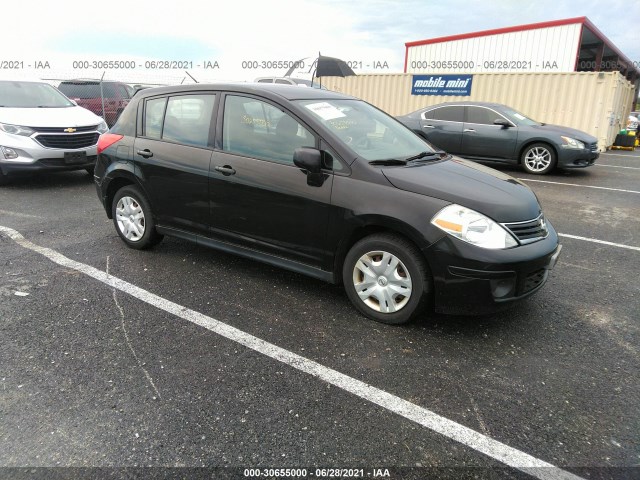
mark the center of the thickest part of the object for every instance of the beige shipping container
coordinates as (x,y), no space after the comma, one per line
(597,103)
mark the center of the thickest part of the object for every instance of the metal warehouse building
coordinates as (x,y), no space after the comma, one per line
(570,45)
(564,72)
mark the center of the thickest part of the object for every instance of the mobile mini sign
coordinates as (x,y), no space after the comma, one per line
(458,85)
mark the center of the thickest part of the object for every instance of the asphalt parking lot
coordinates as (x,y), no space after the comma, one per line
(196,358)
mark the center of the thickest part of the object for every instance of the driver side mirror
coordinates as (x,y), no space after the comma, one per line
(503,122)
(310,159)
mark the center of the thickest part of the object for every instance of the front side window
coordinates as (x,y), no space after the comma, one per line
(257,129)
(483,116)
(188,119)
(369,132)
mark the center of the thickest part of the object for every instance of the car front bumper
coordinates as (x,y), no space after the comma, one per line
(33,157)
(570,158)
(473,280)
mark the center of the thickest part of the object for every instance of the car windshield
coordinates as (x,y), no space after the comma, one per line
(517,117)
(31,95)
(369,132)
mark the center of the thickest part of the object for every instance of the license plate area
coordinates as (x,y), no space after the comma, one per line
(75,157)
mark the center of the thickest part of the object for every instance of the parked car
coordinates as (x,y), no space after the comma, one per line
(498,133)
(325,185)
(89,94)
(41,129)
(289,81)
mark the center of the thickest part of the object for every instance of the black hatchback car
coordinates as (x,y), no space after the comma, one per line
(326,185)
(498,133)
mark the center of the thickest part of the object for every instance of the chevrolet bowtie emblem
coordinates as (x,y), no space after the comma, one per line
(69,130)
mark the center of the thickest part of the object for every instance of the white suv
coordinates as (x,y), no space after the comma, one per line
(41,129)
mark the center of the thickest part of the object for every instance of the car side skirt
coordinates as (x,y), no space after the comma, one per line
(252,254)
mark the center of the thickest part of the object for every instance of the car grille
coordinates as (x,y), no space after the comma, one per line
(593,147)
(59,162)
(90,128)
(68,141)
(530,231)
(534,280)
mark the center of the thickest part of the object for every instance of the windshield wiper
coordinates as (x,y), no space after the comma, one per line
(388,161)
(428,156)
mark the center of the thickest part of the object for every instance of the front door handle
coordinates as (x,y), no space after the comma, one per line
(429,126)
(146,153)
(468,130)
(226,170)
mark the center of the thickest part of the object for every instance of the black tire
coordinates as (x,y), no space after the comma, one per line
(411,267)
(136,231)
(538,159)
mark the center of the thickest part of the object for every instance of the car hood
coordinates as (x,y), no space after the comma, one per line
(49,117)
(560,130)
(483,189)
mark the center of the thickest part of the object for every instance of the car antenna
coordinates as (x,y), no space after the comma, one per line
(191,77)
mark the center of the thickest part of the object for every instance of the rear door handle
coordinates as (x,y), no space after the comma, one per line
(468,130)
(226,170)
(428,126)
(146,153)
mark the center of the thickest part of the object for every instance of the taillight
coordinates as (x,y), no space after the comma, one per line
(106,140)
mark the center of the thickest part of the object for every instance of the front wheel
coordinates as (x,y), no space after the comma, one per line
(386,278)
(133,219)
(538,159)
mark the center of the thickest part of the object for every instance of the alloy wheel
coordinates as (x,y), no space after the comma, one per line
(538,159)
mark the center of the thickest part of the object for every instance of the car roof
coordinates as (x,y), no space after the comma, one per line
(88,81)
(269,90)
(467,103)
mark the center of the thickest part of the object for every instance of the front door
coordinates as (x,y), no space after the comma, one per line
(481,137)
(258,198)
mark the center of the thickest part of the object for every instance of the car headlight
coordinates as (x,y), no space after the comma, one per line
(16,129)
(571,143)
(103,128)
(473,227)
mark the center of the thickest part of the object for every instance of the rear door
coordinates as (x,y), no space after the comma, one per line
(442,126)
(173,155)
(259,199)
(482,138)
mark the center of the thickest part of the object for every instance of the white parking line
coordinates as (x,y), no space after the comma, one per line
(617,166)
(620,155)
(18,214)
(576,185)
(466,436)
(603,242)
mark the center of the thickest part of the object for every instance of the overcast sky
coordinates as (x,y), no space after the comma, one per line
(232,32)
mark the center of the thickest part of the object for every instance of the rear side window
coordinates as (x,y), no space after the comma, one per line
(188,119)
(448,114)
(258,129)
(153,115)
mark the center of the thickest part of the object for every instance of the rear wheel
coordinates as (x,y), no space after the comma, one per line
(133,219)
(386,278)
(538,159)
